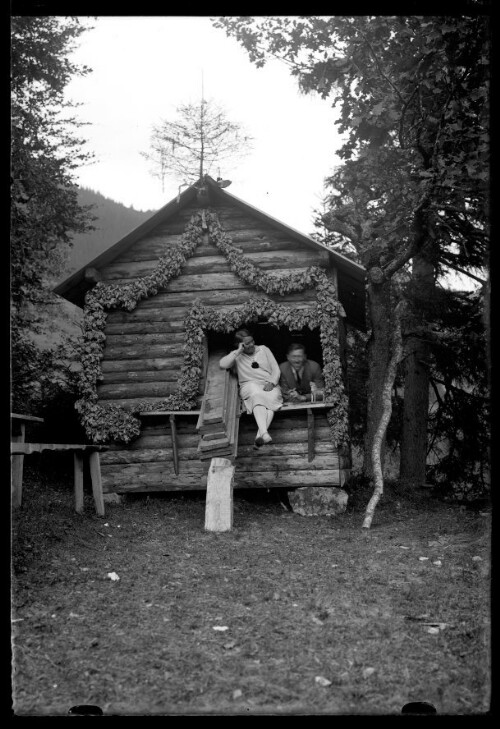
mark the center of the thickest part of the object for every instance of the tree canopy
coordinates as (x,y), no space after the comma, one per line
(412,94)
(45,151)
(413,98)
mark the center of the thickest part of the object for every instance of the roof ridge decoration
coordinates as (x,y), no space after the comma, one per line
(104,423)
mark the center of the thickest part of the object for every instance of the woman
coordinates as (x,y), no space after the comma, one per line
(258,377)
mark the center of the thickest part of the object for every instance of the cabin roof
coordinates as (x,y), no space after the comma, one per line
(351,275)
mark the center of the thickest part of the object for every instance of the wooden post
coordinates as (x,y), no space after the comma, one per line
(219,505)
(78,473)
(310,435)
(17,469)
(175,450)
(95,474)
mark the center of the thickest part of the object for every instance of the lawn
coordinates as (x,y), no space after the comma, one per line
(285,614)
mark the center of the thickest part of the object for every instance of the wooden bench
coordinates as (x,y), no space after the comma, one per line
(19,448)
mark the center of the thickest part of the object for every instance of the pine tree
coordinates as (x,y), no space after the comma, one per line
(200,138)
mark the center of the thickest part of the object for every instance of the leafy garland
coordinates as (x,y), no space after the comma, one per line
(104,423)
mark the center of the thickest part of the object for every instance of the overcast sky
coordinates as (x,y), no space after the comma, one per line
(144,67)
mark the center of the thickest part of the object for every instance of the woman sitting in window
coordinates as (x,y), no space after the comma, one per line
(258,378)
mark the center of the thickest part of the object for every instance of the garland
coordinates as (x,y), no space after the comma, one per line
(104,423)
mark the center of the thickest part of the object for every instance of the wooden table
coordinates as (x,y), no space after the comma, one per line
(18,435)
(19,449)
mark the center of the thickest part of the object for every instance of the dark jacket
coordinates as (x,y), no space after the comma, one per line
(312,373)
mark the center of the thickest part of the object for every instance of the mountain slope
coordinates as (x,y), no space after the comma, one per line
(113,222)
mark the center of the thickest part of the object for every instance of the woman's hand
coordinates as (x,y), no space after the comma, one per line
(240,348)
(268,386)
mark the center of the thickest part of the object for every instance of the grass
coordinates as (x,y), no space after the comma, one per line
(251,621)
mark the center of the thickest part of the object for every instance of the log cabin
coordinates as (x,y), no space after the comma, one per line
(160,309)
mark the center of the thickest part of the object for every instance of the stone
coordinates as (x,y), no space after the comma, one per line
(113,498)
(318,501)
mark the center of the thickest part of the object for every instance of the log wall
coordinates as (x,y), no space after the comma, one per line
(147,464)
(143,356)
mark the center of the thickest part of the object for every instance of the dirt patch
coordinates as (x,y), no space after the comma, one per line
(285,614)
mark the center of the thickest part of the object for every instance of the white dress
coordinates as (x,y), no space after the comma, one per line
(252,380)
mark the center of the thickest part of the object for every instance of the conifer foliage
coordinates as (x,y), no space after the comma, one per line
(45,212)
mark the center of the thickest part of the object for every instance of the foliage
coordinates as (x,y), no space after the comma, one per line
(413,97)
(46,386)
(459,426)
(44,153)
(44,206)
(201,137)
(103,423)
(412,94)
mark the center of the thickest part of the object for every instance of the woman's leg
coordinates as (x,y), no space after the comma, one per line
(260,415)
(269,418)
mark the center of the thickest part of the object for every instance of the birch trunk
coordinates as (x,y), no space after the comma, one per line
(379,436)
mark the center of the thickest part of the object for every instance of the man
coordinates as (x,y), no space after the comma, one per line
(298,374)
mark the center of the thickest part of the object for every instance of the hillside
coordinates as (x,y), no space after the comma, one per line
(61,319)
(113,222)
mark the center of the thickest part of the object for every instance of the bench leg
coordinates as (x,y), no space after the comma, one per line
(78,469)
(95,474)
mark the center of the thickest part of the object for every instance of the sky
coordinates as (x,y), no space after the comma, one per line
(145,67)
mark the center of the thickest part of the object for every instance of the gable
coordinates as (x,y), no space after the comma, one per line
(266,242)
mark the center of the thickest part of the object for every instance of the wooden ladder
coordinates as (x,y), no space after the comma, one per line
(218,426)
(219,418)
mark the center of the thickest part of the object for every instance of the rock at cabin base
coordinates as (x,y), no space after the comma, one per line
(113,498)
(318,501)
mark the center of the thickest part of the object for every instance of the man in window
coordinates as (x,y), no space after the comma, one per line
(301,378)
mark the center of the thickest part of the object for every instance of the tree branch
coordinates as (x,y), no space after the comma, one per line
(465,273)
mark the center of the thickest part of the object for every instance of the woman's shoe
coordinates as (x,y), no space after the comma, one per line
(259,442)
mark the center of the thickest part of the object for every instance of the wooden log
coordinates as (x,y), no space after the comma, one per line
(141,485)
(277,457)
(159,459)
(150,338)
(137,351)
(166,299)
(136,390)
(199,282)
(162,311)
(122,481)
(129,402)
(247,241)
(259,461)
(208,265)
(144,327)
(162,364)
(78,478)
(219,504)
(122,377)
(285,479)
